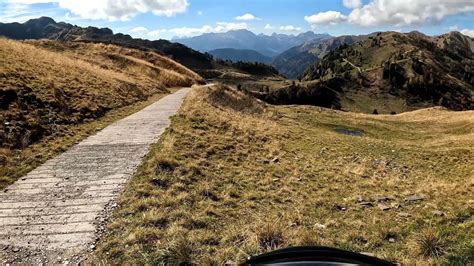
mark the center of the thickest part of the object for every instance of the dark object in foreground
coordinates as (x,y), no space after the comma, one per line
(314,256)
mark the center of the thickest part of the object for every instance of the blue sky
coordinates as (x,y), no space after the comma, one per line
(155,19)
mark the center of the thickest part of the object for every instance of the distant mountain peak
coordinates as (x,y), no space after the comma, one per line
(267,45)
(41,21)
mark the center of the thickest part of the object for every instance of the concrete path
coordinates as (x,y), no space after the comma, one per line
(57,211)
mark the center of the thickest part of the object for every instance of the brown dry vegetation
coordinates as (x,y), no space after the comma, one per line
(48,90)
(234,177)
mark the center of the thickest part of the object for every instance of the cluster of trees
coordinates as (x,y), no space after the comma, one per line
(333,64)
(253,68)
(319,94)
(394,73)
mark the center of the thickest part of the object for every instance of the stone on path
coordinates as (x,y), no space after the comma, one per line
(53,211)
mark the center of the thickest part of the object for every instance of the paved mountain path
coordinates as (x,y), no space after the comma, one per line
(58,210)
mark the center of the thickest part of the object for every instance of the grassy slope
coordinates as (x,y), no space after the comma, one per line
(52,95)
(439,79)
(233,178)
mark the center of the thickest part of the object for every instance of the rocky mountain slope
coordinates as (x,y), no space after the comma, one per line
(418,69)
(268,45)
(293,62)
(47,28)
(243,55)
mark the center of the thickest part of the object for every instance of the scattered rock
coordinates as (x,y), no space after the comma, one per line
(382,199)
(404,214)
(324,149)
(365,204)
(438,213)
(391,240)
(396,205)
(275,160)
(415,198)
(92,247)
(320,226)
(384,207)
(15,249)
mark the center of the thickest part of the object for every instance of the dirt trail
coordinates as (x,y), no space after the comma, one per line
(57,212)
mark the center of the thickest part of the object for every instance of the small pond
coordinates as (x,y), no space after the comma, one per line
(349,132)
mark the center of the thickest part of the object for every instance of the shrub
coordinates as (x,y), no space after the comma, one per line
(430,244)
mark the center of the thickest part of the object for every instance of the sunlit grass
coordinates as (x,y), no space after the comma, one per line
(234,177)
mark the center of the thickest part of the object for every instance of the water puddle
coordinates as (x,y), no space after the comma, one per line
(349,132)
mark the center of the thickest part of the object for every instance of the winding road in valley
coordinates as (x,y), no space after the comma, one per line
(57,212)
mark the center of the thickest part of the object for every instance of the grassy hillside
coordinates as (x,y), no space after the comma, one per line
(234,177)
(424,71)
(294,62)
(48,88)
(47,28)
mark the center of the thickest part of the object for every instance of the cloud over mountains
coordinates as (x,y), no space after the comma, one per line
(397,13)
(114,10)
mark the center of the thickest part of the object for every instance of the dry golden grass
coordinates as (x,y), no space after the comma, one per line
(234,177)
(49,89)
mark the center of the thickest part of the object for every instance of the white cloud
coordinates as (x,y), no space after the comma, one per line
(454,28)
(220,27)
(352,3)
(247,17)
(139,30)
(30,2)
(227,26)
(407,12)
(142,32)
(329,17)
(394,13)
(268,27)
(468,32)
(21,12)
(115,10)
(199,13)
(155,34)
(290,28)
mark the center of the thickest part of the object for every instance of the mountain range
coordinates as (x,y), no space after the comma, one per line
(291,55)
(267,45)
(416,69)
(47,28)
